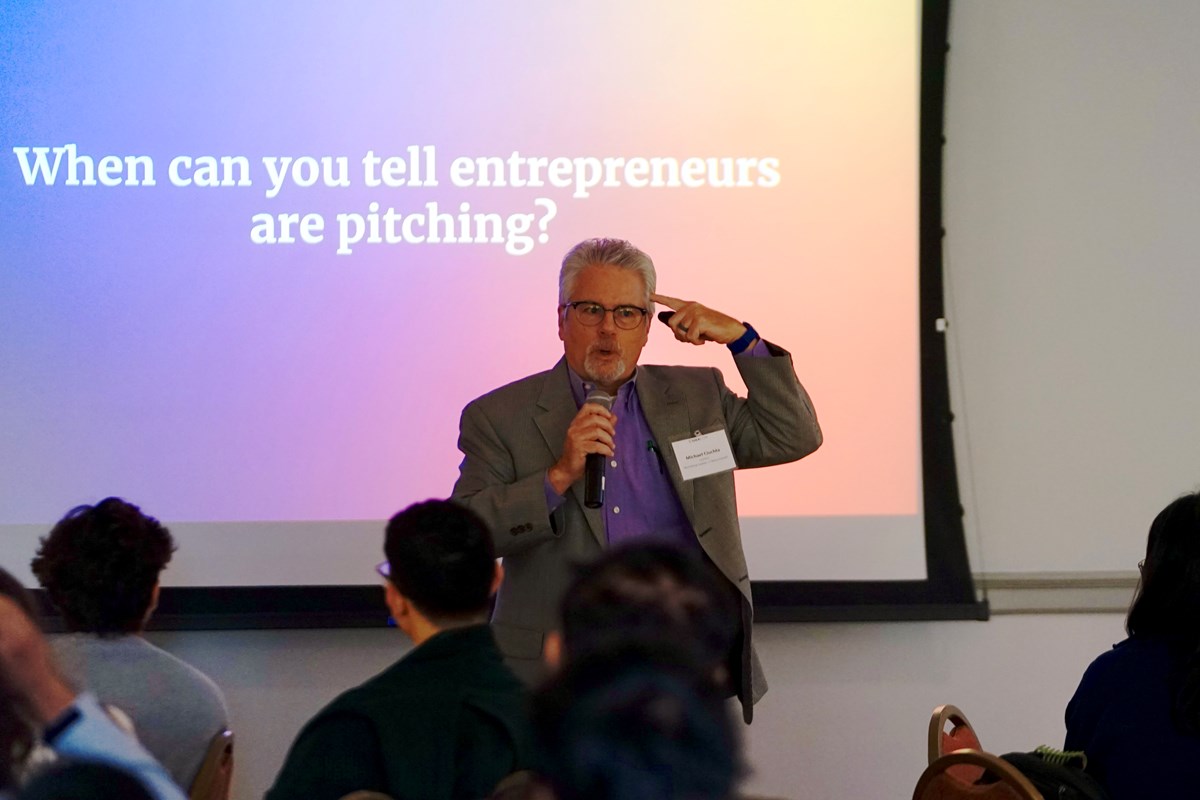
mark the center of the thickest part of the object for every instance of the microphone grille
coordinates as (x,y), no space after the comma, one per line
(600,398)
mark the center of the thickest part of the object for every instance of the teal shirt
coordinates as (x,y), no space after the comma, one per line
(449,720)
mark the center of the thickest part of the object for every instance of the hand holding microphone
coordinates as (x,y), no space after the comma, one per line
(588,444)
(593,470)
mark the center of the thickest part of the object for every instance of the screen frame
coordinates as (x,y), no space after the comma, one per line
(947,592)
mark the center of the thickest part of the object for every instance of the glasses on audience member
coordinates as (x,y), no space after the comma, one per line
(591,314)
(384,569)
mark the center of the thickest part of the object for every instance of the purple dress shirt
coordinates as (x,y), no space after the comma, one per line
(639,498)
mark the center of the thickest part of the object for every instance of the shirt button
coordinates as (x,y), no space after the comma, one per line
(614,463)
(616,509)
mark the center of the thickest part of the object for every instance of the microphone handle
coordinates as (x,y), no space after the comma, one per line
(593,480)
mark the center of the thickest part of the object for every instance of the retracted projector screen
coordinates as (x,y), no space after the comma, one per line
(258,256)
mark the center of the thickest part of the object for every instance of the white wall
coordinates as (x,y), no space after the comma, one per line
(846,715)
(1072,194)
(849,704)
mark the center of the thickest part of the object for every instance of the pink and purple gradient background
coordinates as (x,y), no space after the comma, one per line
(151,351)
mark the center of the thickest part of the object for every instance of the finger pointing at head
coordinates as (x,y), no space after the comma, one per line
(673,303)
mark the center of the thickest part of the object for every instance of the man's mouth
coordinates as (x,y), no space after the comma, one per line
(604,350)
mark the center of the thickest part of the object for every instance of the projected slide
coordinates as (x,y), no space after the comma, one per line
(258,256)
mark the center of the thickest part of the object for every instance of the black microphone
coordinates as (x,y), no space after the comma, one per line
(593,467)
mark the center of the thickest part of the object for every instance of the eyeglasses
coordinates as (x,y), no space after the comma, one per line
(384,569)
(591,314)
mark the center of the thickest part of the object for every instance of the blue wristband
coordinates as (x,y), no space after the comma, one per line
(741,344)
(59,725)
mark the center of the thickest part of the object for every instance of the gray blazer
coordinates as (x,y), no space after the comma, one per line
(511,436)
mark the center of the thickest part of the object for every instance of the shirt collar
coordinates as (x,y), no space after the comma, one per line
(580,388)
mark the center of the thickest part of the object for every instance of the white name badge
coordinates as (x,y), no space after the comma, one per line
(704,454)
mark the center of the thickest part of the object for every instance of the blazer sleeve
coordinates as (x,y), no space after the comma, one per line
(775,423)
(514,506)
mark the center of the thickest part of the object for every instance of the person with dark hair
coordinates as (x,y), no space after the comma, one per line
(635,723)
(649,592)
(448,720)
(73,725)
(527,445)
(100,566)
(1136,713)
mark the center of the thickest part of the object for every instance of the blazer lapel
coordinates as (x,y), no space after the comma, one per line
(666,413)
(556,409)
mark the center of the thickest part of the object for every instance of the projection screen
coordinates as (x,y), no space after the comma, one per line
(258,256)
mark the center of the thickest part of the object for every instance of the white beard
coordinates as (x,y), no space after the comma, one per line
(603,372)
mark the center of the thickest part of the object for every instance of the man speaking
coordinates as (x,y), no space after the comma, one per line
(667,447)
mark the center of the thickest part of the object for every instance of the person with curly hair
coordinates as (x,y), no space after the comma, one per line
(100,566)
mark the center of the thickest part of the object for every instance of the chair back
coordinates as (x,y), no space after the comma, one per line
(999,779)
(215,775)
(949,731)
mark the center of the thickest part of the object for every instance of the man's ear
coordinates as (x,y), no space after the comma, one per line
(552,650)
(154,593)
(646,328)
(562,319)
(497,579)
(397,604)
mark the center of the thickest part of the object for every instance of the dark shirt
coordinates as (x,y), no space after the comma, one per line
(446,721)
(1121,717)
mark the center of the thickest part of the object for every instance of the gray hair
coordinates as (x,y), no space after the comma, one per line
(613,252)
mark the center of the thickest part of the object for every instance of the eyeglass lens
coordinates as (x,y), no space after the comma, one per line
(625,317)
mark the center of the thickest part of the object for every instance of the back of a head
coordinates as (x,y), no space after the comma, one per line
(629,725)
(1168,599)
(1167,603)
(83,780)
(441,557)
(653,593)
(100,564)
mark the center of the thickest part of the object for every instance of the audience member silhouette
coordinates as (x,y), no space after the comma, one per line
(100,566)
(635,723)
(449,719)
(16,733)
(634,707)
(74,726)
(654,593)
(1136,712)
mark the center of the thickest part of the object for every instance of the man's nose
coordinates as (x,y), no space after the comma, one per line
(609,323)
